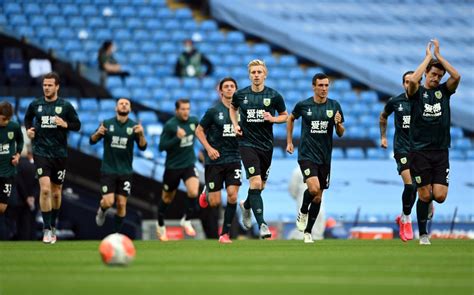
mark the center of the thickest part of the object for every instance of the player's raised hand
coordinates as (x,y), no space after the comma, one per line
(31,133)
(428,49)
(102,130)
(435,43)
(213,153)
(383,142)
(290,148)
(337,118)
(138,129)
(60,122)
(180,132)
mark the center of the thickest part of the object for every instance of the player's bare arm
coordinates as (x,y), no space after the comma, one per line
(383,129)
(289,134)
(339,126)
(454,76)
(211,152)
(414,81)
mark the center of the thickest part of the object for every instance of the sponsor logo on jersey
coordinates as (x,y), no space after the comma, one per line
(255,116)
(330,113)
(11,135)
(432,110)
(48,122)
(438,94)
(4,149)
(187,141)
(319,126)
(406,121)
(58,110)
(119,142)
(228,130)
(267,101)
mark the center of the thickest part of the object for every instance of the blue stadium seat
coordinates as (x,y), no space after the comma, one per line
(165,13)
(89,10)
(455,154)
(18,20)
(456,132)
(12,8)
(145,12)
(208,25)
(215,37)
(89,104)
(89,128)
(105,115)
(154,129)
(147,117)
(337,153)
(191,83)
(355,153)
(24,102)
(288,61)
(37,21)
(153,24)
(342,85)
(462,144)
(171,83)
(127,11)
(171,24)
(355,131)
(143,166)
(31,9)
(261,49)
(178,93)
(107,104)
(235,37)
(74,139)
(70,10)
(183,14)
(51,9)
(470,155)
(161,94)
(369,96)
(376,154)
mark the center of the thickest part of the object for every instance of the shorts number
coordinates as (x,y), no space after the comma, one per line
(61,174)
(127,186)
(238,174)
(8,189)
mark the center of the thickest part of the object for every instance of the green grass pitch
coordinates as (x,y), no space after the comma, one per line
(244,267)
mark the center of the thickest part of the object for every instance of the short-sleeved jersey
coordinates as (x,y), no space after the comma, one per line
(257,132)
(401,107)
(430,119)
(51,141)
(11,142)
(220,134)
(317,129)
(179,152)
(118,146)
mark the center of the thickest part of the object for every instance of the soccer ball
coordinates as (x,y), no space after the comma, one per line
(117,249)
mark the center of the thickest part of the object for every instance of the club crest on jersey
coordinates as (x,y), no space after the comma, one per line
(40,109)
(438,94)
(166,187)
(11,135)
(330,113)
(39,171)
(267,101)
(252,170)
(211,185)
(192,126)
(104,189)
(403,160)
(418,179)
(58,110)
(306,172)
(129,130)
(221,116)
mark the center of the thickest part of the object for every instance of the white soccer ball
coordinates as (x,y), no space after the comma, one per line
(117,249)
